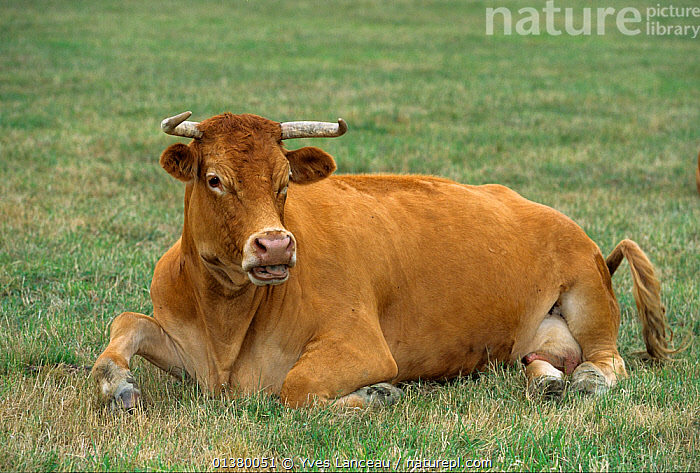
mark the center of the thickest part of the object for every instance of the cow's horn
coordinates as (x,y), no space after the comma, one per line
(313,129)
(177,126)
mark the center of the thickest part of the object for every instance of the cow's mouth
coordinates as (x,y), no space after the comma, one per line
(269,274)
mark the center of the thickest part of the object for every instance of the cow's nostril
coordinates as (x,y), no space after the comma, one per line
(259,246)
(284,242)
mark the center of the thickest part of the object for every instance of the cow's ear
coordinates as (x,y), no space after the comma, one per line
(310,164)
(178,160)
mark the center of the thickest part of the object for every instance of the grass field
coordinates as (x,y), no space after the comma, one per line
(604,128)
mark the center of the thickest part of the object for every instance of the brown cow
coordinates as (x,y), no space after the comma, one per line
(317,288)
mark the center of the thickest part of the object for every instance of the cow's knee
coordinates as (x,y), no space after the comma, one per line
(132,334)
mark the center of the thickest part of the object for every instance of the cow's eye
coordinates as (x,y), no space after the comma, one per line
(214,182)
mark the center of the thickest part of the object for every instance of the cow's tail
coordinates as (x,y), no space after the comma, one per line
(647,294)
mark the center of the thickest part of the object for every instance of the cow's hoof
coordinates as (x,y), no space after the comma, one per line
(116,386)
(588,379)
(548,386)
(127,397)
(381,394)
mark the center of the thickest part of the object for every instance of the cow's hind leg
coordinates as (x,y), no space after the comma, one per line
(554,353)
(132,334)
(593,316)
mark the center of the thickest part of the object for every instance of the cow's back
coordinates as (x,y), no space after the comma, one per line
(457,274)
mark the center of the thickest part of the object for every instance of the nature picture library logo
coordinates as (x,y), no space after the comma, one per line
(660,20)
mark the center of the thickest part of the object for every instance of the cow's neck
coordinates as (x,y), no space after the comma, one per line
(225,313)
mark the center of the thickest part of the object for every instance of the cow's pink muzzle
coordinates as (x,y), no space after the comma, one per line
(269,256)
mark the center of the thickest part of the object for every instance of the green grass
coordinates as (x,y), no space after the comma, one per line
(603,128)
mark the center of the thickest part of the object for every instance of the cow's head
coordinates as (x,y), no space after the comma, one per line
(237,172)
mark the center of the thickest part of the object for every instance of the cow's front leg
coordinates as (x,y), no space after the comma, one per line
(381,394)
(338,372)
(132,334)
